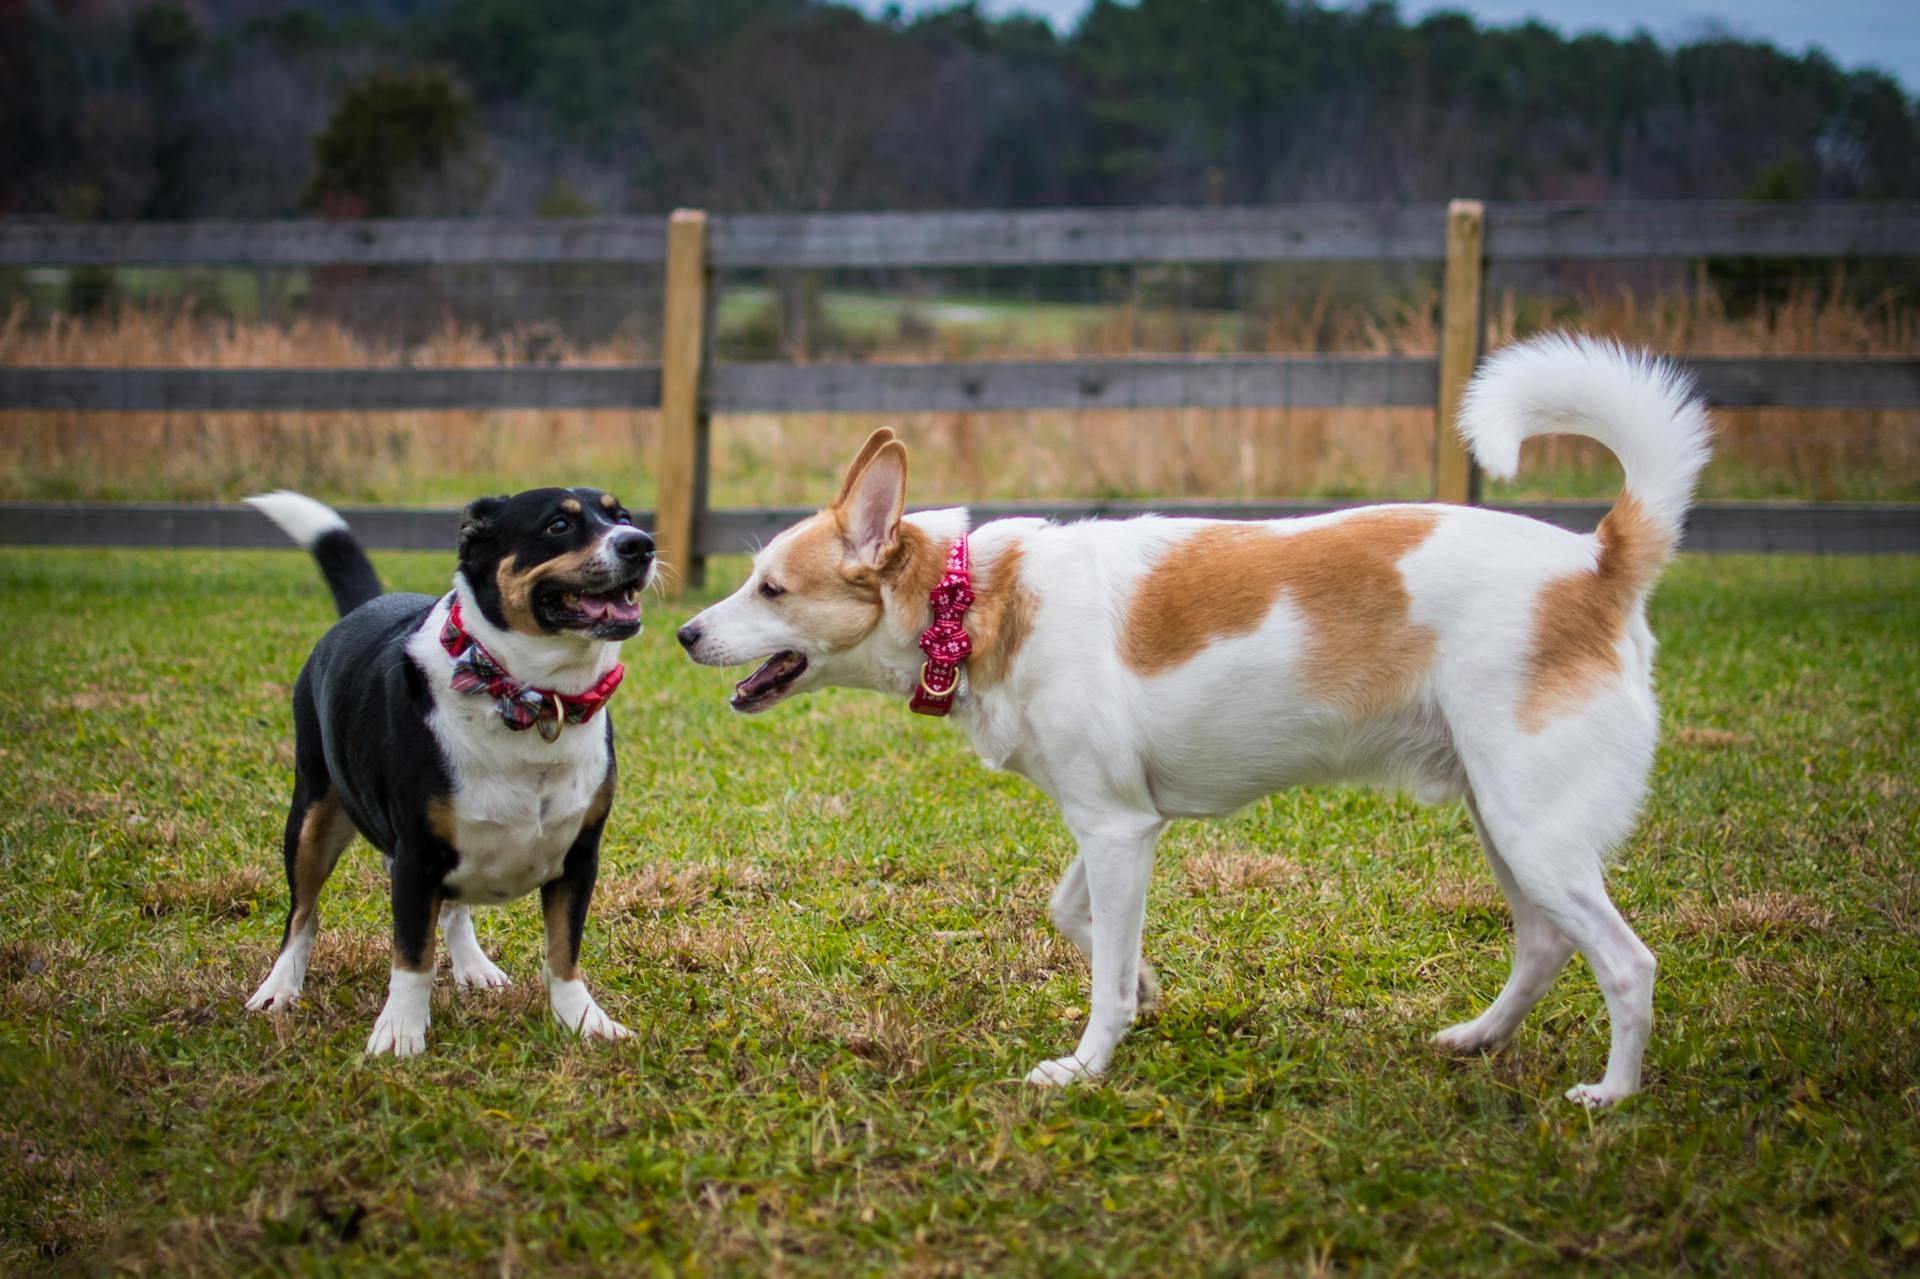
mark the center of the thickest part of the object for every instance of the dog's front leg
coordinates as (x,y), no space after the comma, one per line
(564,903)
(1116,860)
(402,1026)
(1072,912)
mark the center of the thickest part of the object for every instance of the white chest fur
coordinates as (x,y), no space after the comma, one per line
(518,800)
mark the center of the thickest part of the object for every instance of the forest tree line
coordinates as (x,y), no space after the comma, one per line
(208,109)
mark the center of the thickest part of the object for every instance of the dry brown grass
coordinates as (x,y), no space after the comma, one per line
(1226,871)
(230,894)
(1771,914)
(1713,739)
(1467,894)
(791,458)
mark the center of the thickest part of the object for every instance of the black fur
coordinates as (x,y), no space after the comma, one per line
(348,571)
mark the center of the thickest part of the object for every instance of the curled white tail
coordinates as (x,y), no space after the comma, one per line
(299,516)
(1641,407)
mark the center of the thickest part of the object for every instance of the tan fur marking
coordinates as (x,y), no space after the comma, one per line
(1002,609)
(1579,619)
(405,965)
(1364,653)
(601,802)
(999,620)
(828,595)
(917,563)
(517,588)
(325,831)
(440,820)
(609,501)
(562,960)
(570,505)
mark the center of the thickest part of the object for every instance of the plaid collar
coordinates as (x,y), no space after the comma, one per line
(521,705)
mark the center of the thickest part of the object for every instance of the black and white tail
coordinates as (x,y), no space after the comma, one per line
(319,528)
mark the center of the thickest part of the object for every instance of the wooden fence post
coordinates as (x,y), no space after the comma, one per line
(1455,478)
(681,466)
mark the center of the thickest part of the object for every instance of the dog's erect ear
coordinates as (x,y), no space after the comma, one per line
(874,444)
(477,523)
(870,513)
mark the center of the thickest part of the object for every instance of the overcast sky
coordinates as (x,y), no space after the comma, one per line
(1880,33)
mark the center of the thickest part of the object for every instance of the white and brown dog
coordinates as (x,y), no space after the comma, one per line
(1147,669)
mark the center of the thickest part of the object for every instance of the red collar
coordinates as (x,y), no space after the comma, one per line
(945,642)
(521,705)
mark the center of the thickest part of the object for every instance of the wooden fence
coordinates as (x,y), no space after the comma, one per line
(690,388)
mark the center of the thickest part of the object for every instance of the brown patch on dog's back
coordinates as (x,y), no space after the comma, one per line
(1579,619)
(1364,651)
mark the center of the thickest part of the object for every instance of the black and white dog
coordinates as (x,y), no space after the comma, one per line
(411,727)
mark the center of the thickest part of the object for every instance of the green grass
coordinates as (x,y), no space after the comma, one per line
(826,928)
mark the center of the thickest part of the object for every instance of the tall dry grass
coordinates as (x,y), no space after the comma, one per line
(447,457)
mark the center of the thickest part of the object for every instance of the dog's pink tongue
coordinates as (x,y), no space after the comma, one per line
(604,607)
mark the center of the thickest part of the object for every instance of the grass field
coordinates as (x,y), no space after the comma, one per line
(826,928)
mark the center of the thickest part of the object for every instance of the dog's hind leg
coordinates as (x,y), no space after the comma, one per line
(1072,912)
(1539,953)
(1557,867)
(472,970)
(318,829)
(1116,855)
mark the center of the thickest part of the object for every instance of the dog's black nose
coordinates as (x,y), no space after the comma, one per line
(689,635)
(635,548)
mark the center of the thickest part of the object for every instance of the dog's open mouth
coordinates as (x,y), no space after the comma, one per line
(613,614)
(770,682)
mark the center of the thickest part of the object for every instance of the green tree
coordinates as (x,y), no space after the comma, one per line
(398,140)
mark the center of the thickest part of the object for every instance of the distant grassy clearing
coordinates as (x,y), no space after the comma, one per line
(826,927)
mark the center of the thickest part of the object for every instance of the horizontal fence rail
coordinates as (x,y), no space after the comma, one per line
(1218,382)
(1758,526)
(384,242)
(1465,235)
(1305,232)
(1306,381)
(326,390)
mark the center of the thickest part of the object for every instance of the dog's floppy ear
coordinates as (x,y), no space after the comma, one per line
(873,445)
(477,522)
(870,512)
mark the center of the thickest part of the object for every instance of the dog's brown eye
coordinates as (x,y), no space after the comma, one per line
(772,590)
(559,526)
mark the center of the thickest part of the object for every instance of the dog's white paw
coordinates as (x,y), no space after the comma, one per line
(1059,1072)
(1598,1096)
(276,994)
(575,1009)
(477,972)
(397,1034)
(402,1027)
(282,987)
(1469,1037)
